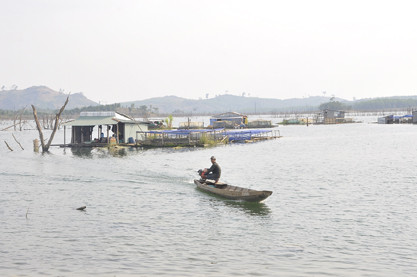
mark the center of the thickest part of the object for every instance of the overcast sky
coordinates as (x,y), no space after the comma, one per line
(115,51)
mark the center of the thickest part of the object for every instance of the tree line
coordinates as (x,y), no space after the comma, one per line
(377,104)
(143,111)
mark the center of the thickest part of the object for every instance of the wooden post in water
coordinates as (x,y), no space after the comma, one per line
(117,133)
(36,145)
(108,133)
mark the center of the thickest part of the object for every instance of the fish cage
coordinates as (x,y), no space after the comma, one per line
(181,137)
(251,135)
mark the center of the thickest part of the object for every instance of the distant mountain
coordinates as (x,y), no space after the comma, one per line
(225,103)
(43,98)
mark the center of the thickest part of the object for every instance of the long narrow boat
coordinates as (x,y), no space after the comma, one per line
(233,192)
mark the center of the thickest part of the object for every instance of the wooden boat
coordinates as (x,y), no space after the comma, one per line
(233,192)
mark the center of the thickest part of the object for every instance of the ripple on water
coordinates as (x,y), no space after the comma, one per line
(336,211)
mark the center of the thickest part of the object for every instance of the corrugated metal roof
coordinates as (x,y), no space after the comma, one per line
(92,121)
(101,114)
(99,118)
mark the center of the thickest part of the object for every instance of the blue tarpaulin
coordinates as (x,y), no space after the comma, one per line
(402,116)
(234,135)
(185,131)
(237,135)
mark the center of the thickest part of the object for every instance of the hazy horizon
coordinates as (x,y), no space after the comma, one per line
(120,51)
(211,97)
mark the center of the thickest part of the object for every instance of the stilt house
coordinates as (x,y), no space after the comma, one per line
(112,127)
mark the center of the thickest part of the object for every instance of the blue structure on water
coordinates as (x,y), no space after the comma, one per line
(248,135)
(200,137)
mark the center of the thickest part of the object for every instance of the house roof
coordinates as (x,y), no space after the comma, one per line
(99,118)
(228,115)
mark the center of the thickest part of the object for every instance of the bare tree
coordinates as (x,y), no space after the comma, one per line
(19,116)
(45,147)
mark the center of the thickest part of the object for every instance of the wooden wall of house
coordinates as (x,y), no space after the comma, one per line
(81,134)
(414,117)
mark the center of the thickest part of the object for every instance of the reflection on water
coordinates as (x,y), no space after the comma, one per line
(118,151)
(331,205)
(90,152)
(252,208)
(82,152)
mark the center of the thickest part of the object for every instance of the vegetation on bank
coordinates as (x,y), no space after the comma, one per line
(206,140)
(143,111)
(334,105)
(385,104)
(377,104)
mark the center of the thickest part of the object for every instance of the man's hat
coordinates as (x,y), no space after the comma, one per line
(213,158)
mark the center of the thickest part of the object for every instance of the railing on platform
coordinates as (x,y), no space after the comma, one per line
(202,137)
(180,137)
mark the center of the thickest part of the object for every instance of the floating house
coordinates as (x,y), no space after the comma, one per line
(389,119)
(259,123)
(396,119)
(155,124)
(295,121)
(228,120)
(112,127)
(332,117)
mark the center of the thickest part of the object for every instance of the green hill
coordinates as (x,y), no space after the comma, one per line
(42,97)
(46,99)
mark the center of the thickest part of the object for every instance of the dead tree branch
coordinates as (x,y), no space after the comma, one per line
(20,119)
(8,146)
(58,115)
(9,127)
(38,125)
(45,147)
(17,142)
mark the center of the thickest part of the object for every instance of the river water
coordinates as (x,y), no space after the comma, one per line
(344,204)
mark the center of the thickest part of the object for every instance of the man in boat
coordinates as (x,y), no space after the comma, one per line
(214,172)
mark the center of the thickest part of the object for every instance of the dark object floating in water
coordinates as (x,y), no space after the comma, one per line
(82,208)
(232,192)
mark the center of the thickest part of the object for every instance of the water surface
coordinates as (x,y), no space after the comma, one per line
(344,204)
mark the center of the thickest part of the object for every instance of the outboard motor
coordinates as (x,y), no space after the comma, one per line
(201,173)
